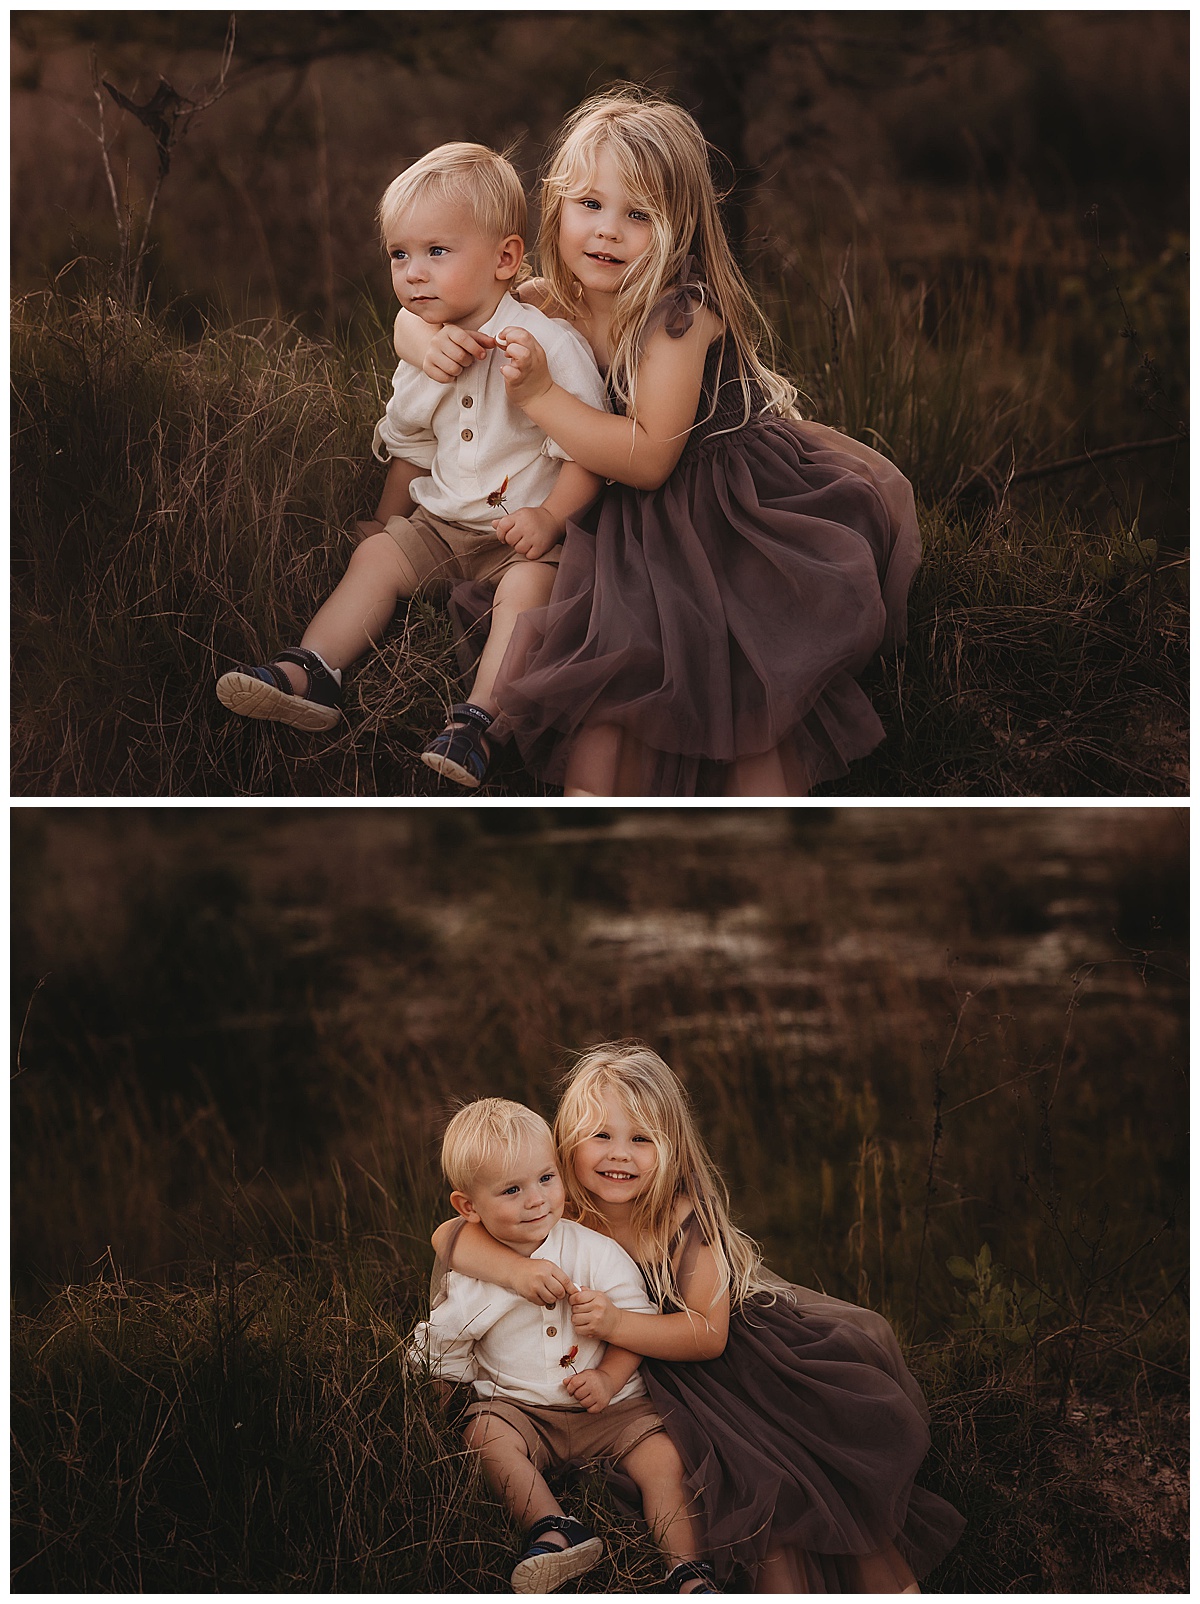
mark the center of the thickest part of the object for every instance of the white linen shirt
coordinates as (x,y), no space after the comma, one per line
(472,438)
(510,1348)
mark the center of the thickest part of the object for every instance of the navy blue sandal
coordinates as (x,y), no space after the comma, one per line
(544,1567)
(266,692)
(460,752)
(698,1569)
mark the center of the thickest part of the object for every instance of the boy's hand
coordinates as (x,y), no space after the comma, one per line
(541,1281)
(530,530)
(452,350)
(592,1314)
(526,375)
(591,1388)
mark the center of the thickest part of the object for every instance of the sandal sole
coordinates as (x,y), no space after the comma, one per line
(253,698)
(450,770)
(546,1572)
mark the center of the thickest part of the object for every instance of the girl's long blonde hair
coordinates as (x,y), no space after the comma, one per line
(662,158)
(658,1105)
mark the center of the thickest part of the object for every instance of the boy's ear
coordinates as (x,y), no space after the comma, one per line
(461,1204)
(509,257)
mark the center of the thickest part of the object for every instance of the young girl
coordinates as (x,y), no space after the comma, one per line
(797,1420)
(715,601)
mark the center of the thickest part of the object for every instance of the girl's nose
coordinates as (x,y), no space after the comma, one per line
(413,272)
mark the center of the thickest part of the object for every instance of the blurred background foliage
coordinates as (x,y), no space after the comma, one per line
(200,995)
(920,130)
(939,1054)
(968,230)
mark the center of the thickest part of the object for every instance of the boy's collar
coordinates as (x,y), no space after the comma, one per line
(502,314)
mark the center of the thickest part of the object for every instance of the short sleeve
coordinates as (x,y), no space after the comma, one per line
(406,428)
(618,1277)
(573,368)
(415,445)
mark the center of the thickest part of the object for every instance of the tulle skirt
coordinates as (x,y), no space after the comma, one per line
(801,1445)
(704,638)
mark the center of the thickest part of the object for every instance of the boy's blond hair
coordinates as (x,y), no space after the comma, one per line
(488,1134)
(465,175)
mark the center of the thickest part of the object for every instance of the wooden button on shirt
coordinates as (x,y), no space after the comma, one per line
(512,1349)
(502,450)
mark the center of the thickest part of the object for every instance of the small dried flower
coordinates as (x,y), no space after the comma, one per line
(568,1358)
(496,499)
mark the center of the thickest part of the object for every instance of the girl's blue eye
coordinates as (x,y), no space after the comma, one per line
(549,1176)
(509,1190)
(641,1138)
(640,217)
(592,205)
(437,250)
(398,255)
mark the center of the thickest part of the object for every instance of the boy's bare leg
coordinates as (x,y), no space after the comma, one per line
(657,1469)
(510,1472)
(358,611)
(521,586)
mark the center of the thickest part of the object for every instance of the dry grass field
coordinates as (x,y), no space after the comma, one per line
(969,230)
(940,1056)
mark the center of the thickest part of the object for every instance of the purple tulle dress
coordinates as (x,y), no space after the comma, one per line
(703,638)
(801,1443)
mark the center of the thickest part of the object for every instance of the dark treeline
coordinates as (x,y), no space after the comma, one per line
(906,125)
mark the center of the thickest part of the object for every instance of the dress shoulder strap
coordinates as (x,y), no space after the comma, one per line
(677,307)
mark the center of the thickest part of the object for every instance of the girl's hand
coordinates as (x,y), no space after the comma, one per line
(541,1281)
(526,374)
(452,350)
(592,1389)
(530,530)
(592,1314)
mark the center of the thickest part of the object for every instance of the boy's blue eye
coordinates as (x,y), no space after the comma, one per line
(397,255)
(437,250)
(509,1190)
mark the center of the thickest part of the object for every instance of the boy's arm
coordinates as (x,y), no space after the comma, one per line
(473,1252)
(396,498)
(534,530)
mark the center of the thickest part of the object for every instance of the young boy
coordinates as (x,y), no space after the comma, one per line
(461,456)
(544,1394)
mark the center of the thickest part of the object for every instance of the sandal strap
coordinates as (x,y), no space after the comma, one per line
(265,671)
(690,1570)
(322,687)
(468,713)
(573,1530)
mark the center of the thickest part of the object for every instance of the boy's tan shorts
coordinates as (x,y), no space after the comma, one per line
(555,1435)
(438,550)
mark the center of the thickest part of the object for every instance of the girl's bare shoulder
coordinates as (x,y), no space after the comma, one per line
(534,292)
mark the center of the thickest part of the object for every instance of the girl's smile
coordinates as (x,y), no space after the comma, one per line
(616,1161)
(602,231)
